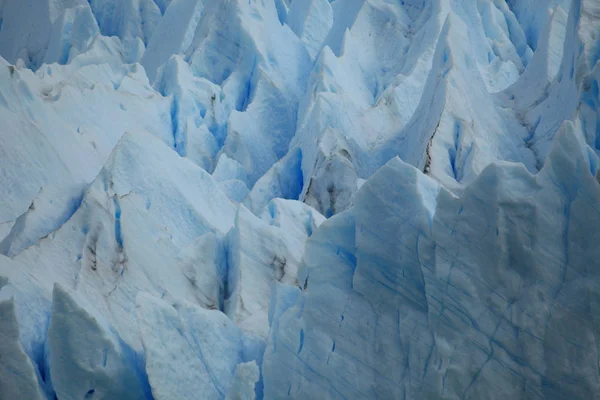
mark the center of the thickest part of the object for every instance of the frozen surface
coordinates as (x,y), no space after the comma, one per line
(262,251)
(203,347)
(56,130)
(17,374)
(305,199)
(425,295)
(85,358)
(244,382)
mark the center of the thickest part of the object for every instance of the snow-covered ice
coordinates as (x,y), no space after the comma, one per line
(232,199)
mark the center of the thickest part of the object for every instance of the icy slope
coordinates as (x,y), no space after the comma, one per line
(307,199)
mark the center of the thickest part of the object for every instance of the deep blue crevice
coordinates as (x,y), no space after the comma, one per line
(104,357)
(592,162)
(39,357)
(259,387)
(73,206)
(179,142)
(299,176)
(118,232)
(590,97)
(224,275)
(348,257)
(42,363)
(453,151)
(137,361)
(597,144)
(301,341)
(445,57)
(104,13)
(201,109)
(309,225)
(248,91)
(162,6)
(272,210)
(528,140)
(66,45)
(281,11)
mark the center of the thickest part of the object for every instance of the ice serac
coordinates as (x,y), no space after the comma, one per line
(262,251)
(127,19)
(205,348)
(455,133)
(173,35)
(283,180)
(197,118)
(71,34)
(52,28)
(533,17)
(311,21)
(335,179)
(524,270)
(426,295)
(32,311)
(561,94)
(262,67)
(139,228)
(407,97)
(204,265)
(244,382)
(374,54)
(64,139)
(86,359)
(27,37)
(17,373)
(346,324)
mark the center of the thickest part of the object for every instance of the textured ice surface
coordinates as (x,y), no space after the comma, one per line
(86,359)
(17,374)
(245,378)
(203,348)
(395,295)
(261,252)
(306,199)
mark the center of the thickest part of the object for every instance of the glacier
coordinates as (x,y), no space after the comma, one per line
(308,199)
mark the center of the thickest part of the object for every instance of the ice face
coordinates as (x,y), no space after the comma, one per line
(17,374)
(204,345)
(85,358)
(425,295)
(245,378)
(307,199)
(261,252)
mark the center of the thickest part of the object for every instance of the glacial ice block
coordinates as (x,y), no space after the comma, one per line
(17,373)
(86,359)
(190,351)
(423,294)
